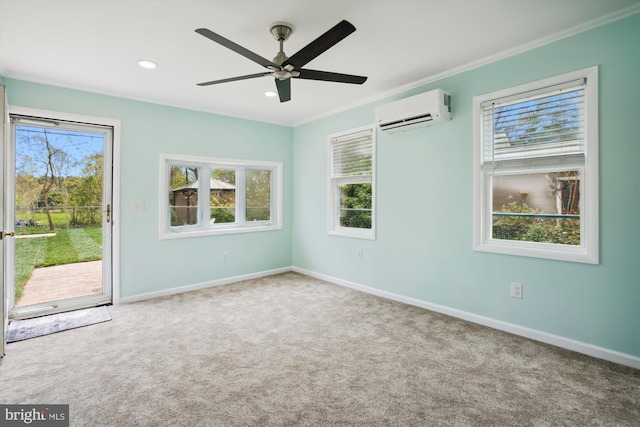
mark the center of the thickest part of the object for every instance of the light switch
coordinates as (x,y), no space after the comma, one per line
(137,206)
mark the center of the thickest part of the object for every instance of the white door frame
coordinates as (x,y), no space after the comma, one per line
(115,195)
(4,137)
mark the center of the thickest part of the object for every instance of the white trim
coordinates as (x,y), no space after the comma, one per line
(333,226)
(115,215)
(203,285)
(556,340)
(603,20)
(534,334)
(202,228)
(588,251)
(586,26)
(4,145)
(116,126)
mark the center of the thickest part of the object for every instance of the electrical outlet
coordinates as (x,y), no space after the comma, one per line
(225,256)
(516,290)
(360,253)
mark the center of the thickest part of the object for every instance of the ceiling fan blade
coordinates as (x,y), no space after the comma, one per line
(284,89)
(233,79)
(236,48)
(320,45)
(330,77)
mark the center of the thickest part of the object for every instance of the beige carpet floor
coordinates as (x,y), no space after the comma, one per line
(292,350)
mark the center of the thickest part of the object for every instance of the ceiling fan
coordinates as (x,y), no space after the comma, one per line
(284,68)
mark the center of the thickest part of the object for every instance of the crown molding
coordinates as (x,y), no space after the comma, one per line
(598,22)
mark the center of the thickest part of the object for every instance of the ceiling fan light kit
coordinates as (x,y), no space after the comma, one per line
(284,68)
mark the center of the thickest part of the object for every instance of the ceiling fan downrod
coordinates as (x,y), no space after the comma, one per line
(281,33)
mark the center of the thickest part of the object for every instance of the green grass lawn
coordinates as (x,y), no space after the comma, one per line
(60,221)
(66,247)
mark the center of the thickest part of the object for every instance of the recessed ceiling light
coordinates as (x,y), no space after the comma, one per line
(270,94)
(145,63)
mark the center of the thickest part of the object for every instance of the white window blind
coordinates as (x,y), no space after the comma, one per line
(352,154)
(545,122)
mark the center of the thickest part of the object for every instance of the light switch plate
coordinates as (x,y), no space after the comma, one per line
(137,206)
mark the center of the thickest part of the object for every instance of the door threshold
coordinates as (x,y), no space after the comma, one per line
(37,310)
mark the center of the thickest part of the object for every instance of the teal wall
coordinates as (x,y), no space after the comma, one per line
(424,204)
(423,248)
(147,263)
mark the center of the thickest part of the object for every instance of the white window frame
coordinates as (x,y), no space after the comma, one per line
(203,227)
(587,164)
(333,201)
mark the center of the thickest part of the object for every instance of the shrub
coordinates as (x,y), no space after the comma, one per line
(564,231)
(222,215)
(513,227)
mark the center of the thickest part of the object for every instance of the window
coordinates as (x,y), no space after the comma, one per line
(222,196)
(352,183)
(235,196)
(536,169)
(183,195)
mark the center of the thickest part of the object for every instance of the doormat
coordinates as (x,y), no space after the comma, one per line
(20,330)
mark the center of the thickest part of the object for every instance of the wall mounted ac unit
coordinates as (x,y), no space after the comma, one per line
(425,109)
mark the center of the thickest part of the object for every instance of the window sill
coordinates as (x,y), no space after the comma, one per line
(355,233)
(539,250)
(180,234)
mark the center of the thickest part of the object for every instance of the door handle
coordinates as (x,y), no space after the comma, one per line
(7,234)
(108,213)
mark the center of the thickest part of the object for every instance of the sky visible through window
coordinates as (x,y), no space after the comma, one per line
(541,121)
(70,147)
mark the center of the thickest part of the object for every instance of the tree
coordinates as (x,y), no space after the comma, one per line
(27,193)
(86,192)
(550,121)
(258,195)
(47,158)
(356,201)
(564,187)
(225,175)
(222,201)
(179,177)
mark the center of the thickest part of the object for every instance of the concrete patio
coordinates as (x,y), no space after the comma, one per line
(62,281)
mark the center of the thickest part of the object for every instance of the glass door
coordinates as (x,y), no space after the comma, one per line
(60,201)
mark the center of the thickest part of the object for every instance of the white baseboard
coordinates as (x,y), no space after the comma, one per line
(203,285)
(556,340)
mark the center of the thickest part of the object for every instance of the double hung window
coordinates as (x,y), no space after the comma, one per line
(352,183)
(218,196)
(536,170)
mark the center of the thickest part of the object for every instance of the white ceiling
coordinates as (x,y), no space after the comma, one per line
(94,45)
